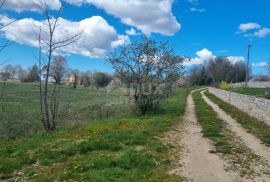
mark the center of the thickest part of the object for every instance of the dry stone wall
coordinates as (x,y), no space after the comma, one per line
(256,107)
(252,84)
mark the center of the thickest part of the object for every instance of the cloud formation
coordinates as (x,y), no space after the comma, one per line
(248,26)
(204,55)
(132,32)
(235,59)
(30,5)
(199,10)
(149,16)
(262,32)
(260,64)
(253,30)
(98,36)
(157,16)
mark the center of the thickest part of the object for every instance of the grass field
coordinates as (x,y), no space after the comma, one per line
(77,107)
(116,149)
(258,92)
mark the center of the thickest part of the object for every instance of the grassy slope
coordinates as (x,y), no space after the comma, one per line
(253,125)
(77,106)
(125,149)
(258,92)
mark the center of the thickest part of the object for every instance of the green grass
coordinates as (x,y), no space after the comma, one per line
(251,124)
(212,127)
(258,92)
(126,149)
(77,107)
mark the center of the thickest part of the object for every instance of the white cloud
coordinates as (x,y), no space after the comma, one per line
(205,55)
(262,32)
(235,59)
(248,26)
(132,32)
(260,64)
(98,36)
(30,5)
(149,16)
(202,56)
(199,10)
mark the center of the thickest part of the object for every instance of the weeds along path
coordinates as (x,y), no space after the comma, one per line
(248,139)
(196,163)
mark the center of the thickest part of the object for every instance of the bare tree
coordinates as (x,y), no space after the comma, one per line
(87,79)
(74,78)
(268,67)
(11,70)
(48,45)
(217,70)
(59,69)
(2,47)
(150,67)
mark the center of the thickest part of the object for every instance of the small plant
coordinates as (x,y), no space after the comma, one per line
(267,93)
(224,86)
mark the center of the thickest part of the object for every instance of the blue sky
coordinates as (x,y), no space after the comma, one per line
(197,28)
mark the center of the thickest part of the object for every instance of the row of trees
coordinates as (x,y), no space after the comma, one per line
(217,70)
(17,72)
(88,78)
(59,74)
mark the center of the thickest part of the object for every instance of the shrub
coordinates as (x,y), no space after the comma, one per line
(224,86)
(267,94)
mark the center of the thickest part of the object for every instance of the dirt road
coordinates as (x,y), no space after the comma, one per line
(196,163)
(253,143)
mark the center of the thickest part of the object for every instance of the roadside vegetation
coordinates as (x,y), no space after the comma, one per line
(257,92)
(237,156)
(116,149)
(251,124)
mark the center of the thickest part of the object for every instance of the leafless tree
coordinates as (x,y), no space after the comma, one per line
(268,67)
(150,67)
(87,79)
(59,69)
(11,70)
(74,78)
(3,46)
(217,70)
(48,46)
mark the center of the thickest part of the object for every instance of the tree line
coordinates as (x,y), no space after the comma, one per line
(217,70)
(60,74)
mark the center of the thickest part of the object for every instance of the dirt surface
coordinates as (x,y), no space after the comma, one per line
(251,142)
(195,162)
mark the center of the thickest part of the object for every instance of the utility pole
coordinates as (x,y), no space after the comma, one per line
(247,66)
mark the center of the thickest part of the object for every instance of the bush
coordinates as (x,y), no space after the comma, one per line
(224,86)
(267,94)
(101,79)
